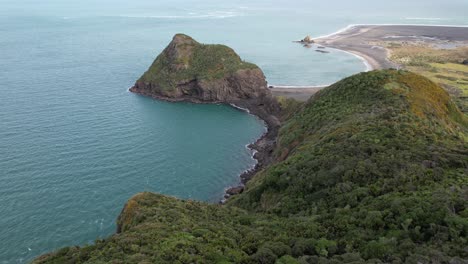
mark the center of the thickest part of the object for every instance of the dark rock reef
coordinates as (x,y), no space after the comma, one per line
(190,71)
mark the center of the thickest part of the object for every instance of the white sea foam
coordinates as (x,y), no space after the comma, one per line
(368,66)
(337,32)
(296,86)
(425,18)
(366,63)
(240,108)
(402,24)
(191,15)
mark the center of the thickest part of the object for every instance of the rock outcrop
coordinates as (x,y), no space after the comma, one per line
(190,71)
(308,39)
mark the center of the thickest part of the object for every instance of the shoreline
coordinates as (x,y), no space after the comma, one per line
(262,149)
(385,24)
(373,56)
(299,93)
(370,62)
(362,40)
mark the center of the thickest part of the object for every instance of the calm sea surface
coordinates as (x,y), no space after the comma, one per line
(75,144)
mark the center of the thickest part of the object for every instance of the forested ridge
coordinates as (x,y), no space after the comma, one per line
(373,169)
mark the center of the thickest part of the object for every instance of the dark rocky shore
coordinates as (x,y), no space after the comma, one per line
(263,147)
(223,79)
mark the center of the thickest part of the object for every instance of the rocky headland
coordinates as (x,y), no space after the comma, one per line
(193,72)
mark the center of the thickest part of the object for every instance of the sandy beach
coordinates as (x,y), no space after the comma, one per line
(300,93)
(364,41)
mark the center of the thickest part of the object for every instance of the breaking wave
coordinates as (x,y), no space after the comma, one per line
(192,15)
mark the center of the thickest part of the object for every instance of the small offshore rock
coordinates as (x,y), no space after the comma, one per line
(322,51)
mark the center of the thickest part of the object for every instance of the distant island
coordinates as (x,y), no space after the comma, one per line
(372,169)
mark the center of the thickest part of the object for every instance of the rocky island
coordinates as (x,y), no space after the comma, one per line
(372,169)
(190,71)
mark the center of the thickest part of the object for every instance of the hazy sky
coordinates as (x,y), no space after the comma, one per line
(455,8)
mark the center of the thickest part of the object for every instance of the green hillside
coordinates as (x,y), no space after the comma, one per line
(185,59)
(372,169)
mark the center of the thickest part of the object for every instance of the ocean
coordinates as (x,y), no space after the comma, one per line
(75,144)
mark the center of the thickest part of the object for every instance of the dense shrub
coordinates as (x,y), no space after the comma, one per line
(372,169)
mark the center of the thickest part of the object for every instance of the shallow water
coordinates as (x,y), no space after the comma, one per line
(75,144)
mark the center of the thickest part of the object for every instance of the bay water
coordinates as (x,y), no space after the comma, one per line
(75,144)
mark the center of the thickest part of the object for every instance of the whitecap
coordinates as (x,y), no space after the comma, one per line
(191,15)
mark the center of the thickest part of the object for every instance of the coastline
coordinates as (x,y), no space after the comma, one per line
(369,62)
(262,148)
(299,93)
(385,24)
(374,57)
(361,40)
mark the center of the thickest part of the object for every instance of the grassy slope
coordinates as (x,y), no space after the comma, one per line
(373,168)
(442,66)
(195,61)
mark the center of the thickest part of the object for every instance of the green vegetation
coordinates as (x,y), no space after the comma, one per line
(289,107)
(443,66)
(185,59)
(372,169)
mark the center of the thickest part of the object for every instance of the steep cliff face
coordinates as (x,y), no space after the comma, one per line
(189,71)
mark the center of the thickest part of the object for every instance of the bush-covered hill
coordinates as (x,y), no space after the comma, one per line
(372,169)
(185,59)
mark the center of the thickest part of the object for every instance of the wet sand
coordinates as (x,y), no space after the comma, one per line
(362,40)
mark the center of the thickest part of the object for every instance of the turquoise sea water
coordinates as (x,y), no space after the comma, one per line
(75,145)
